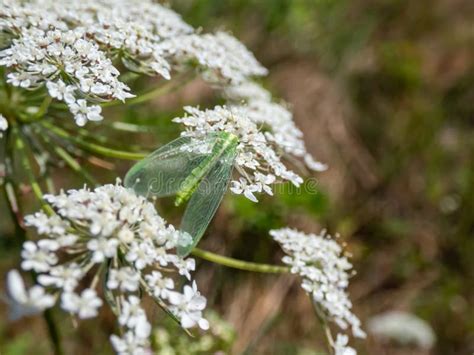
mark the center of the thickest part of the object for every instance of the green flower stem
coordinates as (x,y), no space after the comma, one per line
(74,165)
(89,136)
(14,209)
(324,324)
(92,147)
(43,108)
(49,184)
(70,161)
(128,127)
(238,264)
(53,332)
(13,203)
(26,164)
(167,88)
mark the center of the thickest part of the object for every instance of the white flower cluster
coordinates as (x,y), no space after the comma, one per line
(276,119)
(72,48)
(222,56)
(3,125)
(340,346)
(402,328)
(23,302)
(320,262)
(48,56)
(112,233)
(257,161)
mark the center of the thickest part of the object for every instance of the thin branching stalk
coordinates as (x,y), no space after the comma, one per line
(26,164)
(74,165)
(165,89)
(324,324)
(53,332)
(92,147)
(239,264)
(43,107)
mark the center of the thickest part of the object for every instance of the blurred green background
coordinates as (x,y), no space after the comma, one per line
(384,92)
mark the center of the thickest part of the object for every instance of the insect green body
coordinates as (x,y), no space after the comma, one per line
(224,142)
(196,171)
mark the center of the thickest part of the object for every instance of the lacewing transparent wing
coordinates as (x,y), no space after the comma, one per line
(163,172)
(206,199)
(192,169)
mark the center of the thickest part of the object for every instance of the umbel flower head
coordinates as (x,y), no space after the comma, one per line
(257,160)
(113,235)
(324,269)
(74,48)
(225,58)
(275,118)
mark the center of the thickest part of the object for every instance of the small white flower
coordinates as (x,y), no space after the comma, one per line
(263,182)
(103,248)
(159,285)
(129,344)
(24,302)
(22,80)
(65,277)
(184,266)
(125,279)
(188,306)
(242,187)
(61,91)
(83,113)
(48,245)
(341,347)
(51,225)
(133,317)
(85,305)
(126,235)
(100,89)
(141,254)
(36,258)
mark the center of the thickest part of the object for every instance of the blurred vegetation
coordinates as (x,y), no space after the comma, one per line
(384,91)
(405,70)
(218,339)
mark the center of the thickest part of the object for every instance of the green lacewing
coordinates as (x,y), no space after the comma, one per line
(196,171)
